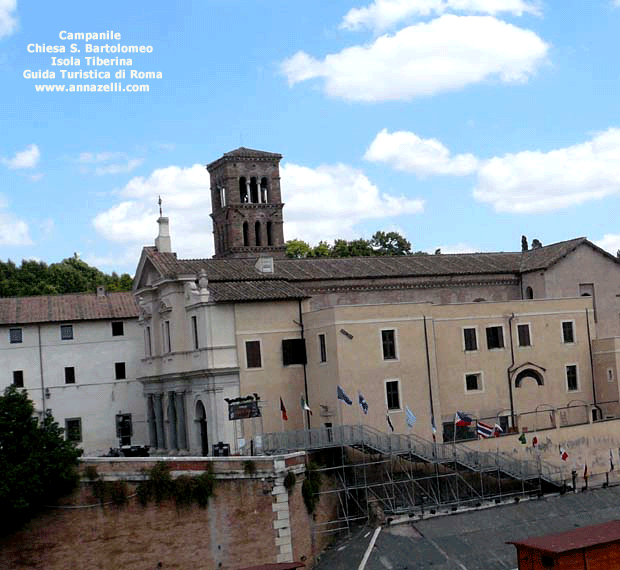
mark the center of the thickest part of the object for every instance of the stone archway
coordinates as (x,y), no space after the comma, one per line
(201,421)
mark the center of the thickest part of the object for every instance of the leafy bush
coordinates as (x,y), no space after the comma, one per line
(289,481)
(311,487)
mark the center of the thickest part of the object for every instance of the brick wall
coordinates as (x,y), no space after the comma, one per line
(251,520)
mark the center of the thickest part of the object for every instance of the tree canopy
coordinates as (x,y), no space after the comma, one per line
(37,464)
(381,243)
(71,275)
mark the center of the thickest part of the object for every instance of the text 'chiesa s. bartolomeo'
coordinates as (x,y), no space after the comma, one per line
(522,339)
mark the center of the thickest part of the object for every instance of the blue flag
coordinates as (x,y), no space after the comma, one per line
(410,417)
(342,396)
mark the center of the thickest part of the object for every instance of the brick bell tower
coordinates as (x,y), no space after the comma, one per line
(246,204)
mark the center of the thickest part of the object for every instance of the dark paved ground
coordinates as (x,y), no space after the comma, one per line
(473,540)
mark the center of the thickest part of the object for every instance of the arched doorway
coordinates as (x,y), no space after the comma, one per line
(201,420)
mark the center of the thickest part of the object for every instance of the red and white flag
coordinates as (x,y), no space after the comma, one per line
(563,454)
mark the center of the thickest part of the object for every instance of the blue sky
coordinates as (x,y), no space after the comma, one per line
(462,124)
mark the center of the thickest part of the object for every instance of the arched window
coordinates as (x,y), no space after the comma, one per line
(529,293)
(264,190)
(257,232)
(529,373)
(243,190)
(253,190)
(246,234)
(269,233)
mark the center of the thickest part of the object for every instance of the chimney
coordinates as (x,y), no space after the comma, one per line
(162,241)
(101,291)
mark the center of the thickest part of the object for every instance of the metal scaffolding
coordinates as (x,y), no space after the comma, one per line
(380,476)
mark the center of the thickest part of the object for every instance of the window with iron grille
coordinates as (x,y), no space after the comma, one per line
(471,341)
(568,332)
(495,337)
(73,429)
(523,333)
(388,341)
(15,335)
(252,354)
(66,332)
(392,395)
(571,378)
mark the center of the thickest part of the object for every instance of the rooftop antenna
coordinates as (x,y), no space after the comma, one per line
(159,202)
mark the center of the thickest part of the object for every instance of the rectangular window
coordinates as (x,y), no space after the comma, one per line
(69,375)
(610,375)
(391,395)
(18,378)
(195,331)
(322,349)
(15,335)
(124,428)
(473,382)
(73,429)
(469,336)
(523,332)
(571,378)
(568,332)
(118,329)
(148,347)
(495,337)
(66,332)
(119,370)
(293,351)
(388,341)
(165,333)
(252,354)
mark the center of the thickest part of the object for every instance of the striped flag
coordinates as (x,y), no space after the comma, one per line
(410,418)
(497,430)
(461,419)
(305,406)
(283,410)
(484,430)
(563,454)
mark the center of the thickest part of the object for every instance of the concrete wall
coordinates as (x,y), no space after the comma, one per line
(251,520)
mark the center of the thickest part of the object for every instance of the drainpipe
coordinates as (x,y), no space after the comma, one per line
(301,324)
(512,356)
(428,371)
(591,360)
(41,370)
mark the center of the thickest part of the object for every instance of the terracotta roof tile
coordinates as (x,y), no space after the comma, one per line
(75,307)
(578,538)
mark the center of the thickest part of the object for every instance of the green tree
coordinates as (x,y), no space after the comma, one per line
(297,249)
(320,250)
(390,243)
(37,465)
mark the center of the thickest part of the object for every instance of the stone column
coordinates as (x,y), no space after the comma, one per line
(181,420)
(152,421)
(172,420)
(247,185)
(159,420)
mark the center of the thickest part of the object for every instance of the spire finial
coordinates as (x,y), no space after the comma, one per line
(159,202)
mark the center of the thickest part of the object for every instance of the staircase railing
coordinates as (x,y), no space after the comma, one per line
(373,439)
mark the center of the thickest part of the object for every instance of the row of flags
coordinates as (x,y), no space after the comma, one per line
(484,430)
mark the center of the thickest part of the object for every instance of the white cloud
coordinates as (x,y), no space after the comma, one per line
(456,248)
(326,202)
(27,158)
(536,181)
(408,152)
(383,14)
(610,242)
(445,54)
(8,21)
(13,230)
(109,162)
(186,201)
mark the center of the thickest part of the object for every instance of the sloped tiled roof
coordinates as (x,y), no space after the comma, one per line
(245,153)
(273,290)
(64,308)
(544,257)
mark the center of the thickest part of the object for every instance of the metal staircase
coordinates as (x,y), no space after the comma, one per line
(372,440)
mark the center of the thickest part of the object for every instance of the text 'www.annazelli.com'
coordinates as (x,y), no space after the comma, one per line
(85,88)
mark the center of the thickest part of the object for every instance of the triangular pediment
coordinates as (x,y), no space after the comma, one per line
(146,273)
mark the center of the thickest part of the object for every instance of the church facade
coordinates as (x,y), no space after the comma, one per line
(228,348)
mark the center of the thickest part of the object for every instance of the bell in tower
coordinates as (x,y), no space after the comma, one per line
(247,204)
